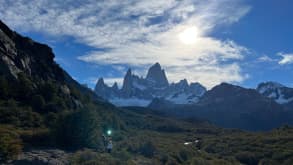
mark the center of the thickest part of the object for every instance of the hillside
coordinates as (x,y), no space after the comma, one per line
(43,111)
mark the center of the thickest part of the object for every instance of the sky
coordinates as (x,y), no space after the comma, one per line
(243,42)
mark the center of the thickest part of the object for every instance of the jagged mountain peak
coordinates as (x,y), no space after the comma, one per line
(101,81)
(128,73)
(115,86)
(157,75)
(156,66)
(141,91)
(100,84)
(183,82)
(225,86)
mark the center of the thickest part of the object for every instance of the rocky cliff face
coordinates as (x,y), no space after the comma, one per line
(156,76)
(29,67)
(22,55)
(138,91)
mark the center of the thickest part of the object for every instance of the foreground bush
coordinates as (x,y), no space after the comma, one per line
(89,157)
(10,144)
(79,130)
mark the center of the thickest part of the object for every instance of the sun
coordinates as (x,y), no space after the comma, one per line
(189,35)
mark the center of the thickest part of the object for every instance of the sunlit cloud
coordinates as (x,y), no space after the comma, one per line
(287,58)
(140,33)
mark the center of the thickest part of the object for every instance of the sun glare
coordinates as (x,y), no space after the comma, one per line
(189,35)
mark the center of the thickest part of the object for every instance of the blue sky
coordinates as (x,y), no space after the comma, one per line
(243,42)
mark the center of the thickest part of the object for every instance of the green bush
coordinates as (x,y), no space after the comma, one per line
(184,155)
(89,157)
(147,149)
(78,130)
(247,158)
(19,116)
(40,137)
(10,144)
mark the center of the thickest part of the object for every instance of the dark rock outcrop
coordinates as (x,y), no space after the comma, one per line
(23,60)
(42,157)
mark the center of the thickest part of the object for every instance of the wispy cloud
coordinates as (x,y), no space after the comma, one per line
(266,58)
(287,58)
(139,33)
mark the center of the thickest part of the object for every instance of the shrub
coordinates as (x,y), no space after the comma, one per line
(78,130)
(247,158)
(21,117)
(184,155)
(147,149)
(10,144)
(89,157)
(39,137)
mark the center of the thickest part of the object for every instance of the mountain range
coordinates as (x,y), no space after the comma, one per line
(139,91)
(227,105)
(233,106)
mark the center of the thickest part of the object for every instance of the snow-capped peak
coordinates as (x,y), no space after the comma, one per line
(263,87)
(280,93)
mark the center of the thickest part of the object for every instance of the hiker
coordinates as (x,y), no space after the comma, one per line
(109,145)
(105,141)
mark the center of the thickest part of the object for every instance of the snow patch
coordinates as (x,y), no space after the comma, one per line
(182,98)
(282,100)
